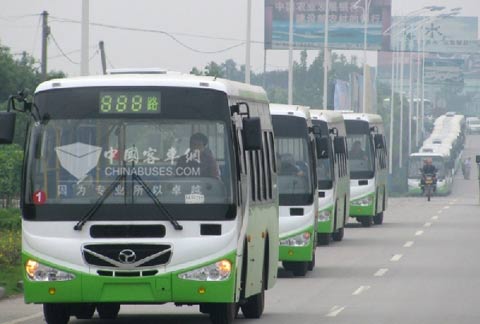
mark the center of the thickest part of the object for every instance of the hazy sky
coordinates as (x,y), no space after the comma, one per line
(20,29)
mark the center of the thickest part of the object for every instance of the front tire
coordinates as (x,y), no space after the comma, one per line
(378,219)
(108,311)
(298,268)
(223,313)
(56,313)
(338,235)
(311,264)
(366,221)
(323,239)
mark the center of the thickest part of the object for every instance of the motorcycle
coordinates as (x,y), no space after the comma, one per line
(428,186)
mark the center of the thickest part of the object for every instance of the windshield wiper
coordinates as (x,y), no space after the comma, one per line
(99,202)
(157,202)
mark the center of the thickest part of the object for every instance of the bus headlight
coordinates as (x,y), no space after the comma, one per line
(218,271)
(297,240)
(324,216)
(39,272)
(363,202)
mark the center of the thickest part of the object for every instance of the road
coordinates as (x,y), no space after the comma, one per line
(421,266)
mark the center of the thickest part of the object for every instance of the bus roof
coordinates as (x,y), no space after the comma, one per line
(329,116)
(168,79)
(372,119)
(290,110)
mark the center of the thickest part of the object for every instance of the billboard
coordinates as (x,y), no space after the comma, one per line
(346,24)
(441,35)
(447,71)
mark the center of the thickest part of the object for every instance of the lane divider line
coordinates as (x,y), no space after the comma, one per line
(381,272)
(418,233)
(446,207)
(408,244)
(435,218)
(335,311)
(360,290)
(440,211)
(24,319)
(396,257)
(428,224)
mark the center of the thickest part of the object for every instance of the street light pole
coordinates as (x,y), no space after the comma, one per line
(85,38)
(365,43)
(290,56)
(326,57)
(248,42)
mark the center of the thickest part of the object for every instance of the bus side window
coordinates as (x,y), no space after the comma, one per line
(259,174)
(265,168)
(272,148)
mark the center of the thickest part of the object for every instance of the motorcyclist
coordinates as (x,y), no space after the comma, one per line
(429,168)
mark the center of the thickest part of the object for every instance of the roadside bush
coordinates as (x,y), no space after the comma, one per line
(10,247)
(10,219)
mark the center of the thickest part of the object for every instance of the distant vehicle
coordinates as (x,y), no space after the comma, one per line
(442,162)
(333,175)
(295,146)
(473,125)
(368,161)
(148,189)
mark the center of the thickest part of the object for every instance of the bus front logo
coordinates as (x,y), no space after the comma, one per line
(127,256)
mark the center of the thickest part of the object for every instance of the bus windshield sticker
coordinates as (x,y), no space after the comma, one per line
(194,199)
(39,197)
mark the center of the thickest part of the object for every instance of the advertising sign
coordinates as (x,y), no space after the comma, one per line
(441,35)
(346,24)
(444,71)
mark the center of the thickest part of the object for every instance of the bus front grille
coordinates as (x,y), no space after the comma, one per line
(127,256)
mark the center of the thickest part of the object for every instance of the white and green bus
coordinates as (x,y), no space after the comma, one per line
(333,177)
(295,147)
(368,161)
(147,189)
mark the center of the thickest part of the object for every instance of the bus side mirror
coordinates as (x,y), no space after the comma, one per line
(378,139)
(7,127)
(322,147)
(477,158)
(339,145)
(316,130)
(252,134)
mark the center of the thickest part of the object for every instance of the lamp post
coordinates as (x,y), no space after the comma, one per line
(326,58)
(248,42)
(290,56)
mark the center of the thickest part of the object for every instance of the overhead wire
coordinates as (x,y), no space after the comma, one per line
(165,33)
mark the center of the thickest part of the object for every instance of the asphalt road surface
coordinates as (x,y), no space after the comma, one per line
(421,266)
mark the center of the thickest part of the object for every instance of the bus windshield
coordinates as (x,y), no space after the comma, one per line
(416,164)
(360,156)
(295,160)
(183,161)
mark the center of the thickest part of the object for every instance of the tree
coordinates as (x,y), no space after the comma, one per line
(11,157)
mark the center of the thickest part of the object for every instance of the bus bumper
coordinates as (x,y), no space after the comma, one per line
(297,253)
(163,288)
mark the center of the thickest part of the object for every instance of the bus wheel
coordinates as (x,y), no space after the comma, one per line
(223,313)
(56,313)
(108,311)
(299,269)
(311,264)
(254,305)
(378,219)
(366,221)
(84,311)
(323,238)
(338,235)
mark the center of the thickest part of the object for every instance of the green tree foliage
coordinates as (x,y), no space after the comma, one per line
(308,79)
(11,158)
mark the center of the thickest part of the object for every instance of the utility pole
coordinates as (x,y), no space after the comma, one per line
(290,56)
(45,34)
(102,55)
(248,42)
(326,58)
(85,38)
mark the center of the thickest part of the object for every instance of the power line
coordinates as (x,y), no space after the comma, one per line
(61,50)
(168,34)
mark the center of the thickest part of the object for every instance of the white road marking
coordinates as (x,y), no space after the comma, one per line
(418,233)
(335,311)
(440,211)
(24,319)
(381,272)
(452,202)
(409,244)
(396,257)
(360,290)
(446,207)
(427,224)
(435,218)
